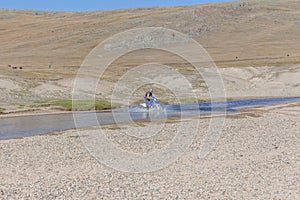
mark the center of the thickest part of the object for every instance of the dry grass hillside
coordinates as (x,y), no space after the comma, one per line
(243,33)
(257,32)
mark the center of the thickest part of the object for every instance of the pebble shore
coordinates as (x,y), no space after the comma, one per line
(256,157)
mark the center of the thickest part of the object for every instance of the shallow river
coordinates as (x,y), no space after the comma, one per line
(23,126)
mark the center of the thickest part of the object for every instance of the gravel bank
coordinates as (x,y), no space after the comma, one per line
(257,157)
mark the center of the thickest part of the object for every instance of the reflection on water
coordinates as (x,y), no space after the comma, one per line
(34,125)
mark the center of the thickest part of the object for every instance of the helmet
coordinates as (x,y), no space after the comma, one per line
(151,90)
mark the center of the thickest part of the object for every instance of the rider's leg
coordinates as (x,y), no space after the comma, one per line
(147,102)
(151,103)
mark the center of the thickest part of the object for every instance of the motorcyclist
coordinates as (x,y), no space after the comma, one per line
(149,98)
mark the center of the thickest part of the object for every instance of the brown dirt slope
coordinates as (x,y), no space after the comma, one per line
(235,34)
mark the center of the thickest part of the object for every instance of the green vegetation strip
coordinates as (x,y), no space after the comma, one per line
(2,109)
(81,105)
(77,105)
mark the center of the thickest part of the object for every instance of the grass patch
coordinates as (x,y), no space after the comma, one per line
(82,105)
(198,83)
(21,106)
(76,137)
(77,105)
(41,103)
(2,110)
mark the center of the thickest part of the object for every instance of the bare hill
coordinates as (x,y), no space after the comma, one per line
(236,33)
(261,36)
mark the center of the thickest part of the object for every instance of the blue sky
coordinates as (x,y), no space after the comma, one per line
(89,5)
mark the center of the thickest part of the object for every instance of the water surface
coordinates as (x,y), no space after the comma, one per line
(23,126)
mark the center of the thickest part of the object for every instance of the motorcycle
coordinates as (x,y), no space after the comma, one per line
(153,105)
